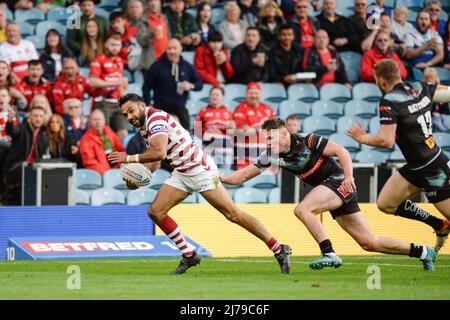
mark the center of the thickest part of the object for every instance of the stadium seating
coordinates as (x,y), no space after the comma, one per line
(113,179)
(127,74)
(374,125)
(43,26)
(109,5)
(297,108)
(141,196)
(235,92)
(59,14)
(319,125)
(344,140)
(329,109)
(138,77)
(232,105)
(26,29)
(192,12)
(360,109)
(445,5)
(305,92)
(32,16)
(444,75)
(202,95)
(273,92)
(263,181)
(127,138)
(344,123)
(84,72)
(352,61)
(9,15)
(371,157)
(107,196)
(443,140)
(81,197)
(335,92)
(194,107)
(250,195)
(188,56)
(217,15)
(38,41)
(411,18)
(87,105)
(274,195)
(135,88)
(102,13)
(396,155)
(88,179)
(416,5)
(366,91)
(159,177)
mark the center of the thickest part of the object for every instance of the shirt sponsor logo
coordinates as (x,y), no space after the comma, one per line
(158,128)
(81,246)
(420,105)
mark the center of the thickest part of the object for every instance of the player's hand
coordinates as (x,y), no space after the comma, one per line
(117,157)
(356,132)
(349,184)
(131,185)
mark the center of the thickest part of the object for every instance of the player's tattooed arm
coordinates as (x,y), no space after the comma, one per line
(242,175)
(384,138)
(334,150)
(442,94)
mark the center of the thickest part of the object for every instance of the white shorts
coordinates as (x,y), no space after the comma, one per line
(200,179)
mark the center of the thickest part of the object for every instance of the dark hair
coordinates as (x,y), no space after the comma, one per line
(200,7)
(114,37)
(133,97)
(252,28)
(285,26)
(274,124)
(60,45)
(386,15)
(292,117)
(218,88)
(215,36)
(115,15)
(35,63)
(388,70)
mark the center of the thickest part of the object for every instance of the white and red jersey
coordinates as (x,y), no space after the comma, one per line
(182,153)
(3,121)
(64,89)
(18,55)
(107,68)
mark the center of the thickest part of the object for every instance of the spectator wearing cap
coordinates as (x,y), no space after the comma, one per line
(249,117)
(249,59)
(270,20)
(304,26)
(171,78)
(325,62)
(232,27)
(212,61)
(182,25)
(75,35)
(285,59)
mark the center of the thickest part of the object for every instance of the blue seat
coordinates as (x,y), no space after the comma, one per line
(305,92)
(374,125)
(159,177)
(114,179)
(82,198)
(416,74)
(444,75)
(202,95)
(27,29)
(366,91)
(250,195)
(87,105)
(352,60)
(445,5)
(138,77)
(192,198)
(127,138)
(274,105)
(107,196)
(88,179)
(32,16)
(297,108)
(274,195)
(360,109)
(135,88)
(231,104)
(372,157)
(329,109)
(396,155)
(265,180)
(415,5)
(344,123)
(188,56)
(102,13)
(59,14)
(335,92)
(442,140)
(109,5)
(354,75)
(345,141)
(235,92)
(194,107)
(141,196)
(9,15)
(127,74)
(273,92)
(84,72)
(38,41)
(43,26)
(191,11)
(412,16)
(217,15)
(344,4)
(319,125)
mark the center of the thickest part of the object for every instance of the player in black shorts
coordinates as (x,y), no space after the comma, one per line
(334,190)
(405,117)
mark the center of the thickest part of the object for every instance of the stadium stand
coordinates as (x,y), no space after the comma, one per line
(107,196)
(142,196)
(250,195)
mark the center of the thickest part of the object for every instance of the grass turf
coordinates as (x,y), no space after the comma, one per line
(233,278)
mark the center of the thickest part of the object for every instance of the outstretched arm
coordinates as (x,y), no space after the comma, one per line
(442,94)
(242,175)
(156,152)
(334,150)
(384,138)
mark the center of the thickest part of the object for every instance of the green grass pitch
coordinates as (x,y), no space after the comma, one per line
(232,278)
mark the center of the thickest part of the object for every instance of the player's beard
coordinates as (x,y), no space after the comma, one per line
(141,119)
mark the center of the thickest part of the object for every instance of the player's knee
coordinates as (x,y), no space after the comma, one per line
(155,214)
(301,212)
(385,207)
(368,244)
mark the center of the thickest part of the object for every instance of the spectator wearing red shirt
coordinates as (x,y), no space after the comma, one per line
(106,76)
(381,51)
(8,81)
(249,117)
(325,62)
(212,125)
(5,139)
(212,62)
(69,84)
(97,143)
(35,84)
(304,26)
(120,26)
(159,28)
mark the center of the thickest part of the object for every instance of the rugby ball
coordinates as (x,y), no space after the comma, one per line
(136,173)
